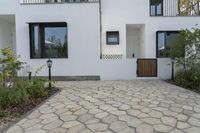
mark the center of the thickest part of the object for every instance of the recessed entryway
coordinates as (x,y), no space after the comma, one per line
(135,36)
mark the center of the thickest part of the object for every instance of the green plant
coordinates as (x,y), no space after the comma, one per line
(9,97)
(186,53)
(20,83)
(38,70)
(13,89)
(2,113)
(188,7)
(191,81)
(37,88)
(10,64)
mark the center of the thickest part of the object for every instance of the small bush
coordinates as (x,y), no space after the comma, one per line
(189,79)
(2,113)
(13,89)
(9,65)
(9,97)
(37,88)
(185,52)
(20,83)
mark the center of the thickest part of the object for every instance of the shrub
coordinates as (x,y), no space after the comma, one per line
(2,113)
(10,64)
(13,89)
(20,83)
(189,79)
(186,54)
(37,88)
(9,97)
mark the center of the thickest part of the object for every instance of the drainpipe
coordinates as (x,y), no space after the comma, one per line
(100,21)
(179,8)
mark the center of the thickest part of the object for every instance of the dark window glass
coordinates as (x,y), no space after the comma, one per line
(36,41)
(55,42)
(164,39)
(171,38)
(48,40)
(156,7)
(161,41)
(152,8)
(112,37)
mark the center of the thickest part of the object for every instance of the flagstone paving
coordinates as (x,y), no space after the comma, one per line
(142,106)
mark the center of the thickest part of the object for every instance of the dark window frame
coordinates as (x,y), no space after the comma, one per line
(157,48)
(111,33)
(41,33)
(156,13)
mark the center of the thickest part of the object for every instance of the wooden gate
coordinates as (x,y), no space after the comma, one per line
(147,67)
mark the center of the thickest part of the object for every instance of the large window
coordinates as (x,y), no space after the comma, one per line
(156,7)
(48,40)
(164,39)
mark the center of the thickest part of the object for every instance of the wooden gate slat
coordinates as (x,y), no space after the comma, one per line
(147,67)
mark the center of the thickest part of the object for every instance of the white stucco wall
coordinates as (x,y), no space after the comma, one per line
(84,35)
(164,68)
(116,16)
(142,41)
(9,6)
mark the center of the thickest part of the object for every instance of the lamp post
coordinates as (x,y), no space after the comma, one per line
(49,65)
(28,69)
(172,68)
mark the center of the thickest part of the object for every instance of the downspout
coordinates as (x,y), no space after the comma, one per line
(198,7)
(179,7)
(100,21)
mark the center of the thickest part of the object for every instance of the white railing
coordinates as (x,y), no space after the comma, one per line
(170,8)
(56,1)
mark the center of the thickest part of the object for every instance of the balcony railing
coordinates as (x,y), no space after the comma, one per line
(56,1)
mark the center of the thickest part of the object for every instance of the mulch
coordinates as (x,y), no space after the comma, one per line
(14,113)
(197,90)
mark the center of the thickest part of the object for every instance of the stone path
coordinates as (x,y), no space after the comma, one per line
(150,106)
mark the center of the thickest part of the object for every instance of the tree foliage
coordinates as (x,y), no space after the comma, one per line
(9,65)
(186,52)
(189,7)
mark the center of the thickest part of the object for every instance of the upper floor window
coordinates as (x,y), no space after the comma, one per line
(164,39)
(48,40)
(156,7)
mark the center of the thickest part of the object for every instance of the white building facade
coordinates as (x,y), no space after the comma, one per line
(105,39)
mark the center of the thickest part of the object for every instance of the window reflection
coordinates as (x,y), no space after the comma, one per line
(37,50)
(164,40)
(55,42)
(49,40)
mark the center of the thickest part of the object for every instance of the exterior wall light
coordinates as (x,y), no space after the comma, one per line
(49,65)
